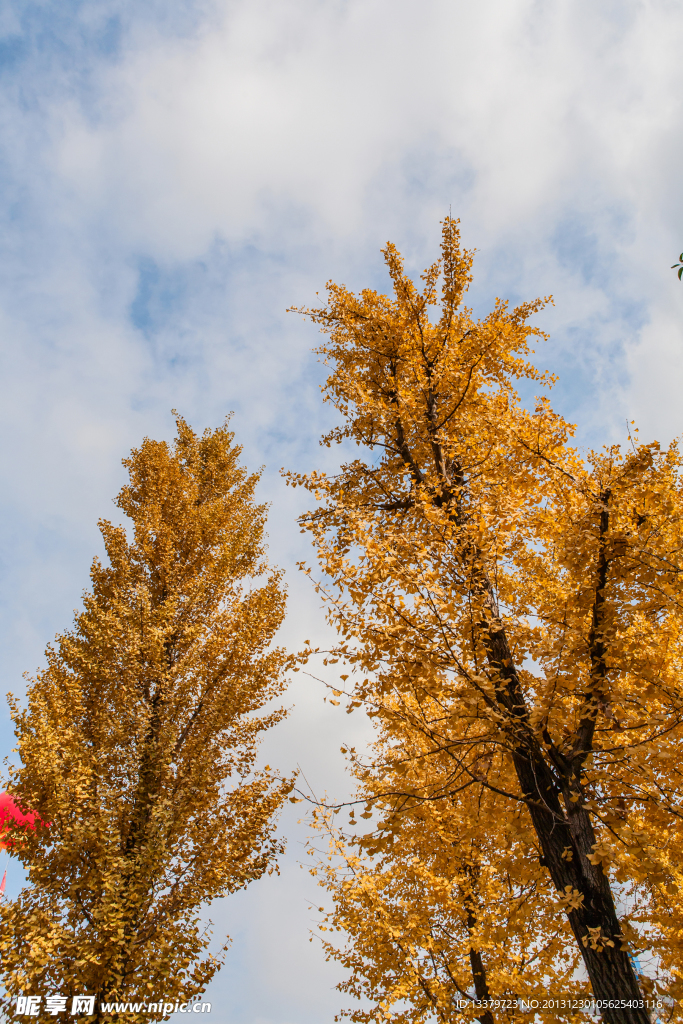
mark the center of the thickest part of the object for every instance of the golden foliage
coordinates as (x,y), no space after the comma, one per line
(510,601)
(443,903)
(139,741)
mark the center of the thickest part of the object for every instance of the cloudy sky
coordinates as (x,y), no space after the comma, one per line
(175,173)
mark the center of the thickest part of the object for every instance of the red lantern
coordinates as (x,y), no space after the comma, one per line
(11,815)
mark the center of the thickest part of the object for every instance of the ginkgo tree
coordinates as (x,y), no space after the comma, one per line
(139,741)
(511,587)
(444,909)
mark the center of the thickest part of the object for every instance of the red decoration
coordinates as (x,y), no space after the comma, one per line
(11,815)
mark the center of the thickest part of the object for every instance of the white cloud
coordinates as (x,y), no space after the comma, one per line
(304,104)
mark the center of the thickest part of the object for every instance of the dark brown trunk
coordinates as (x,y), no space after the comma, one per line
(565,833)
(566,840)
(481,987)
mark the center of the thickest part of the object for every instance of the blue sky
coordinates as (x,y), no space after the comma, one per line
(173,175)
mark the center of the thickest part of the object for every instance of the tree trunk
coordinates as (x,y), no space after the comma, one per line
(481,987)
(566,840)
